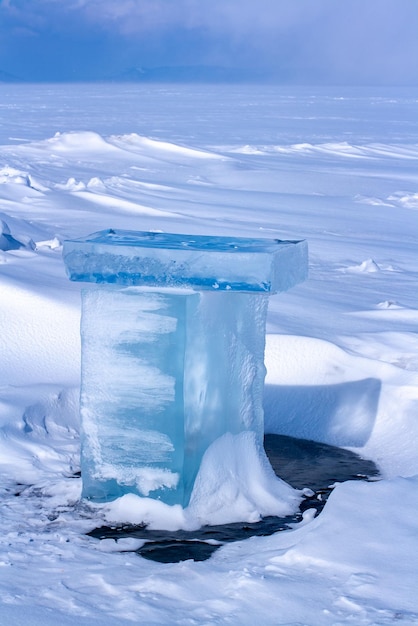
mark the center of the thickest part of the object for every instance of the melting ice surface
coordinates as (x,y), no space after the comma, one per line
(173,337)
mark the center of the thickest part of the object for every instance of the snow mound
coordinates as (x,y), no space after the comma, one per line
(137,143)
(388,304)
(71,185)
(79,141)
(372,201)
(362,518)
(54,416)
(10,175)
(369,266)
(52,244)
(133,509)
(40,433)
(405,200)
(247,149)
(338,149)
(315,390)
(236,482)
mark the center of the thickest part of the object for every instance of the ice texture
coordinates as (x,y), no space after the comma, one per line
(173,338)
(201,262)
(164,374)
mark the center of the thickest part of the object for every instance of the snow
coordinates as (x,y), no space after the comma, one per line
(334,167)
(234,469)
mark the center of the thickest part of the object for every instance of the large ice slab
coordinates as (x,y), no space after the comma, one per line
(199,262)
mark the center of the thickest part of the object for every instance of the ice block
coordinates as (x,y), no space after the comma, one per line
(201,262)
(173,336)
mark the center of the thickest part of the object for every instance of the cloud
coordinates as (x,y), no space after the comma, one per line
(239,17)
(337,39)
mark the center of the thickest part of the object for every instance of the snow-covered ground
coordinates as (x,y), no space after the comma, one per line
(337,167)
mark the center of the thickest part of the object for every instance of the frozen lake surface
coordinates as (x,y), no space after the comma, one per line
(196,114)
(337,167)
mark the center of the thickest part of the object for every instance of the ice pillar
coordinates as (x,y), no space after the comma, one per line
(173,337)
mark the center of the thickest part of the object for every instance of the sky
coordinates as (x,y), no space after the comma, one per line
(301,41)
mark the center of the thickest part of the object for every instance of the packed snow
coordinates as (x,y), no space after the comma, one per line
(337,167)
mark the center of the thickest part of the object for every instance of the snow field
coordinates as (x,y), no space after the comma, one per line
(340,353)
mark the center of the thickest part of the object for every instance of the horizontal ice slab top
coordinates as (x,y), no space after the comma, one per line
(200,262)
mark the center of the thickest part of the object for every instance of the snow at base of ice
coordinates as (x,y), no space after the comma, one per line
(235,483)
(235,469)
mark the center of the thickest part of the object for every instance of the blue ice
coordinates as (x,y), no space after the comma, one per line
(200,262)
(173,337)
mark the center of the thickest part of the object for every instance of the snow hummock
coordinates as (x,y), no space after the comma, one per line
(234,469)
(369,266)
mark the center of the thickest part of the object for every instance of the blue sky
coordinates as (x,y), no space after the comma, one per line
(307,41)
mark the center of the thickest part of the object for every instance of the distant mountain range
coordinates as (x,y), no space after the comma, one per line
(5,77)
(169,74)
(189,74)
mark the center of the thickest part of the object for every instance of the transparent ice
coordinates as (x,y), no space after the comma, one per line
(201,262)
(173,338)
